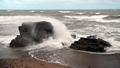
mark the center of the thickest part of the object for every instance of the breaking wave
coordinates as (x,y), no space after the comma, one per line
(65,11)
(96,18)
(98,13)
(36,11)
(52,50)
(80,13)
(62,34)
(112,17)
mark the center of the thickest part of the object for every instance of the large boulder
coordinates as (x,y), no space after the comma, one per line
(91,43)
(32,33)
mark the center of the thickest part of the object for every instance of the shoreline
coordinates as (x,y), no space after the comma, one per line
(10,58)
(74,59)
(28,63)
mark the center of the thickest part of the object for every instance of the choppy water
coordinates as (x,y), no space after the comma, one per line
(103,23)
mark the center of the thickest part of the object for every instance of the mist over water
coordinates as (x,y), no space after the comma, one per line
(61,33)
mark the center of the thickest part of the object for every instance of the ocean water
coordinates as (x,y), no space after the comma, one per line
(104,24)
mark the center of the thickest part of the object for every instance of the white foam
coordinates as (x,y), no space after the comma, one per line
(32,11)
(52,59)
(98,13)
(6,39)
(65,11)
(61,33)
(87,17)
(35,11)
(115,47)
(48,44)
(98,30)
(10,10)
(97,18)
(80,13)
(41,11)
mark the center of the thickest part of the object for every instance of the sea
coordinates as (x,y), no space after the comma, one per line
(104,24)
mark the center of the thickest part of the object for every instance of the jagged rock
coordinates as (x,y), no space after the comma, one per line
(90,44)
(32,33)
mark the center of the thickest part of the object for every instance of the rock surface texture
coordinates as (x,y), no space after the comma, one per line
(90,44)
(32,33)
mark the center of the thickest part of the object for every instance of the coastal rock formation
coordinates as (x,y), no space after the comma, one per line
(32,33)
(91,43)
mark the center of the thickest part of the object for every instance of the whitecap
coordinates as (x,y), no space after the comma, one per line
(98,13)
(97,18)
(80,13)
(32,11)
(65,11)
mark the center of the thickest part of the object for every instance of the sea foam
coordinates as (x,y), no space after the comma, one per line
(61,33)
(96,18)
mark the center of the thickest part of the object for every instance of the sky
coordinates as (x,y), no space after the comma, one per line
(59,4)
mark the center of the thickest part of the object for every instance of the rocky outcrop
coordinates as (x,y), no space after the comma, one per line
(32,33)
(90,44)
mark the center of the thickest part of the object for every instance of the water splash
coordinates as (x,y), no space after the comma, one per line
(61,33)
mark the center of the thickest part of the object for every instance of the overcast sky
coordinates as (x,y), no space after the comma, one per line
(59,4)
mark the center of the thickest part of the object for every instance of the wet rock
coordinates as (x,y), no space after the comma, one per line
(32,33)
(91,43)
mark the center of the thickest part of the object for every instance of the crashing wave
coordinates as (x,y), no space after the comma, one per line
(96,18)
(62,34)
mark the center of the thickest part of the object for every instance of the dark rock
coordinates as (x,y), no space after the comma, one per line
(73,36)
(32,33)
(91,43)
